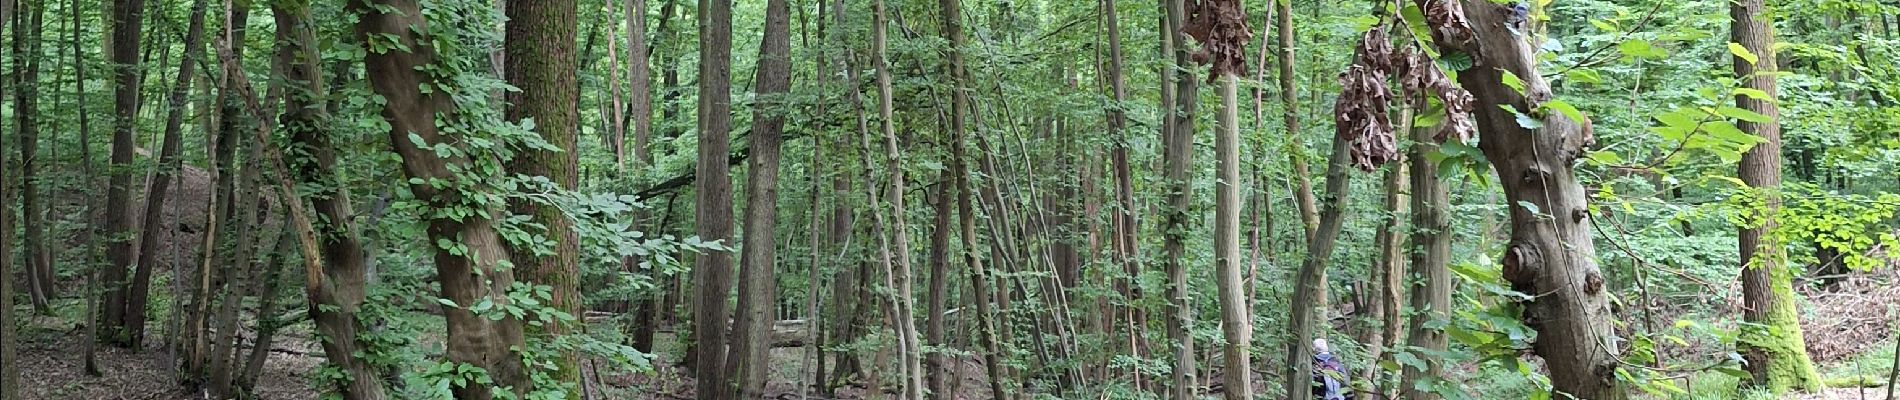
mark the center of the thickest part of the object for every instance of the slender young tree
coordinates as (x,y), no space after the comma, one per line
(27,34)
(168,164)
(1124,245)
(1178,156)
(758,287)
(9,334)
(1777,356)
(1221,27)
(896,248)
(127,22)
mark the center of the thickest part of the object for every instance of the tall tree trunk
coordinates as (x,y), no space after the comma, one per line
(1387,309)
(1309,288)
(469,275)
(896,249)
(9,336)
(712,271)
(1178,155)
(336,292)
(1551,253)
(27,36)
(1236,321)
(540,58)
(951,14)
(758,281)
(90,249)
(1431,280)
(1290,105)
(1124,248)
(639,80)
(1776,353)
(127,19)
(218,379)
(139,290)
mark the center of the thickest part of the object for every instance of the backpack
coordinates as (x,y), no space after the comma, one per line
(1330,378)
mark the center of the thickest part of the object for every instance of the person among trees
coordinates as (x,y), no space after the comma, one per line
(1329,374)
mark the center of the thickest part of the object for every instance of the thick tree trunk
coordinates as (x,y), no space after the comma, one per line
(540,59)
(335,290)
(9,368)
(639,80)
(127,20)
(1178,155)
(473,271)
(1551,253)
(712,271)
(1777,355)
(758,282)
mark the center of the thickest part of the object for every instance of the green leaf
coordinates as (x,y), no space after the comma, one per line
(1756,94)
(1511,79)
(1741,114)
(1566,109)
(1638,48)
(1739,51)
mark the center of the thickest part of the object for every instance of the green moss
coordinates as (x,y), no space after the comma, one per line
(1782,343)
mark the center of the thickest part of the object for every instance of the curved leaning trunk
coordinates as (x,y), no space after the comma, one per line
(1550,254)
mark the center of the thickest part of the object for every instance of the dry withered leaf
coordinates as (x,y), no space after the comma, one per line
(1221,27)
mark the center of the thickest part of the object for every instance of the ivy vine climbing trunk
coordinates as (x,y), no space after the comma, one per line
(1177,156)
(469,255)
(540,59)
(1430,277)
(758,282)
(336,288)
(1550,253)
(1776,354)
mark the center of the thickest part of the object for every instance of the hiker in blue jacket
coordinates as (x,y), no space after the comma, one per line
(1329,374)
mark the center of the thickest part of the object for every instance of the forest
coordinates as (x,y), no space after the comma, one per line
(949,199)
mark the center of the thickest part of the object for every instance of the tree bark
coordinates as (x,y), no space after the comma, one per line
(139,290)
(639,80)
(539,55)
(1551,254)
(1178,154)
(9,368)
(268,322)
(1387,310)
(1124,250)
(1777,355)
(337,291)
(1309,288)
(1289,100)
(1431,280)
(712,271)
(896,249)
(1236,321)
(26,47)
(469,275)
(127,20)
(758,282)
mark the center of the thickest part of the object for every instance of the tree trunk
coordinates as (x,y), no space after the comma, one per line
(1309,288)
(1431,280)
(127,19)
(335,281)
(27,41)
(639,80)
(268,321)
(1391,271)
(1178,155)
(1551,253)
(758,282)
(712,271)
(9,368)
(153,229)
(1236,321)
(1125,247)
(896,252)
(539,54)
(89,226)
(1776,353)
(218,379)
(1289,102)
(474,270)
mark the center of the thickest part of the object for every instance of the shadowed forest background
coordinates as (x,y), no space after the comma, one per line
(916,199)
